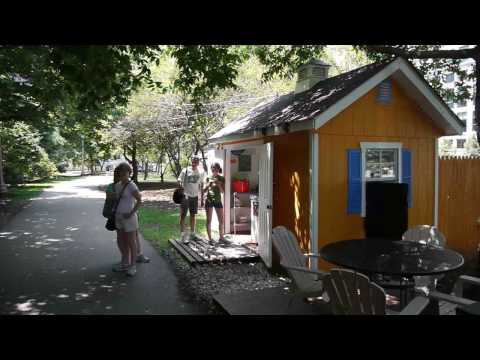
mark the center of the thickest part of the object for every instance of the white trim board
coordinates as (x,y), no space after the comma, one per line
(250,135)
(314,148)
(244,145)
(435,210)
(413,85)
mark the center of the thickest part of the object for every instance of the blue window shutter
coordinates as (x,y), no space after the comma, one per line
(407,173)
(354,182)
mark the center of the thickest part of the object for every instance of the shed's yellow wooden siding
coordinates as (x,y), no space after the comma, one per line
(367,120)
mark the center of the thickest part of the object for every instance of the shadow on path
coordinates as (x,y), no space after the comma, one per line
(57,257)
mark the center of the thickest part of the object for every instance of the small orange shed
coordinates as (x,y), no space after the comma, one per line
(308,154)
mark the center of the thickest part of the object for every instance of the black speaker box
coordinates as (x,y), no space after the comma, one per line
(386,210)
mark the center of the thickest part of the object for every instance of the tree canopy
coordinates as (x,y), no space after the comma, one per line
(169,94)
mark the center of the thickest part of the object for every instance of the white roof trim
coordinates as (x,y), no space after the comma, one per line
(251,134)
(427,101)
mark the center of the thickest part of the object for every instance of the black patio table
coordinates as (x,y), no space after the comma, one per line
(404,259)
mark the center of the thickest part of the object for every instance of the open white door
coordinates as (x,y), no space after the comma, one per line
(265,190)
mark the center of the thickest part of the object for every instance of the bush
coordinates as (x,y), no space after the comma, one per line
(24,157)
(44,168)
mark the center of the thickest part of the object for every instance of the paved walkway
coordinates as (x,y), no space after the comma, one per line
(56,258)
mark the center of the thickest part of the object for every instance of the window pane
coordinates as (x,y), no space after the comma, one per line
(373,171)
(388,156)
(381,164)
(388,170)
(373,156)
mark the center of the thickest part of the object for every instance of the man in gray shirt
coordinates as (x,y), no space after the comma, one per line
(191,179)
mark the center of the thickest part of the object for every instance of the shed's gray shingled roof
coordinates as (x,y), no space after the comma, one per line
(293,107)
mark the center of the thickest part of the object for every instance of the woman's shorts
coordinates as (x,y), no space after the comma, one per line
(126,225)
(212,204)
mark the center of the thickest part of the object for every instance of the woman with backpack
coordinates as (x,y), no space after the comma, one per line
(126,219)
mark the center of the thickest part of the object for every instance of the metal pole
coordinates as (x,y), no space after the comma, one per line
(3,186)
(82,156)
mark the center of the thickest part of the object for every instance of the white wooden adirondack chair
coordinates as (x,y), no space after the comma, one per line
(352,293)
(307,281)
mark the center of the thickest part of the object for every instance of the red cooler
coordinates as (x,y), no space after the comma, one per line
(240,186)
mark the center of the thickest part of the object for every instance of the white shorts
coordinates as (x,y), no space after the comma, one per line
(126,225)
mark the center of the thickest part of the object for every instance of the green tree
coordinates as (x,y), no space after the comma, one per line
(40,84)
(24,158)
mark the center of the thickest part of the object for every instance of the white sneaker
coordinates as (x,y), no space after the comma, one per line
(120,267)
(132,270)
(142,259)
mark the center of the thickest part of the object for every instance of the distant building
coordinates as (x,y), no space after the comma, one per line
(466,143)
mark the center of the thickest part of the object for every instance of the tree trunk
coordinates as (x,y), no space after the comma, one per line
(160,168)
(423,54)
(3,187)
(145,169)
(134,163)
(204,161)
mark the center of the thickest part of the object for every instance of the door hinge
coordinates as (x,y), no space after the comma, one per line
(269,207)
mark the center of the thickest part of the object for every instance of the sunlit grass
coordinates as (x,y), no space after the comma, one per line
(158,226)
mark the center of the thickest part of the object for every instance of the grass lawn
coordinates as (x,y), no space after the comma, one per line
(33,189)
(158,226)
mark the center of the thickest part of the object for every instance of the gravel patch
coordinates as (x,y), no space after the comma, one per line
(204,281)
(159,199)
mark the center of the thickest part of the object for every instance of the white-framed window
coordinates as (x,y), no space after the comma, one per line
(381,164)
(381,161)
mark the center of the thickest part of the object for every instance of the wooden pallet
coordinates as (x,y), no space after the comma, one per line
(187,253)
(198,251)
